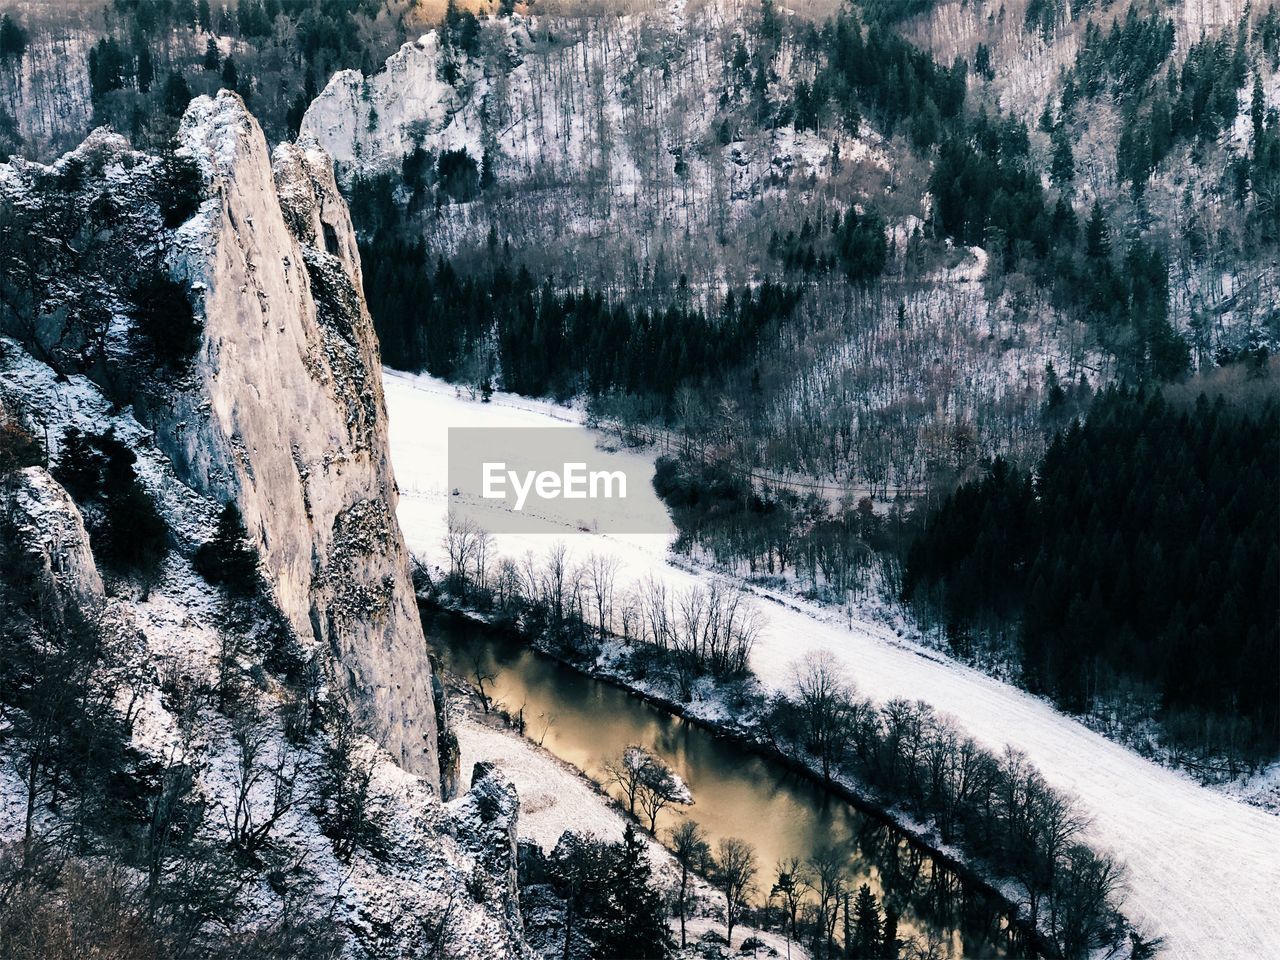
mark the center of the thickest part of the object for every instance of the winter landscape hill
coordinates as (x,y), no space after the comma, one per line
(943,330)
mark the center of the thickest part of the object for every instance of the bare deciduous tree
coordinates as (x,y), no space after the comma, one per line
(735,876)
(691,851)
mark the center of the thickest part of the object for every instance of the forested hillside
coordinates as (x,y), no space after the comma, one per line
(135,64)
(660,159)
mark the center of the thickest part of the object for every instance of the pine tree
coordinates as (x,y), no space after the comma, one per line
(211,58)
(889,938)
(146,70)
(866,923)
(1097,237)
(176,95)
(1257,109)
(229,559)
(230,77)
(1063,164)
(13,39)
(634,924)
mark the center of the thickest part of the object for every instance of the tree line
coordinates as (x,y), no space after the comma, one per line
(997,807)
(502,327)
(683,638)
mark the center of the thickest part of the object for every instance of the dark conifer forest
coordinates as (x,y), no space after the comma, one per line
(542,342)
(1140,557)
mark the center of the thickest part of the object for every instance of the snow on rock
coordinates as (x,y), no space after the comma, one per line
(553,798)
(607,134)
(282,410)
(286,417)
(53,530)
(379,119)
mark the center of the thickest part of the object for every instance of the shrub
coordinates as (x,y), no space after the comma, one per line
(179,188)
(164,320)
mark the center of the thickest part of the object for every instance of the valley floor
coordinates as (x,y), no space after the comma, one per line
(1202,867)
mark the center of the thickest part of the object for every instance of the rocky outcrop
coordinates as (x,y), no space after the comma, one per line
(285,415)
(486,819)
(51,530)
(378,119)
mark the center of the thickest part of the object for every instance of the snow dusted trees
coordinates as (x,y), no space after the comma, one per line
(828,706)
(603,895)
(648,782)
(705,631)
(997,808)
(468,547)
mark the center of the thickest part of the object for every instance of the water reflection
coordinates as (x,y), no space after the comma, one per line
(735,794)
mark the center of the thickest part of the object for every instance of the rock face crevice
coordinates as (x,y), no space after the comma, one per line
(285,414)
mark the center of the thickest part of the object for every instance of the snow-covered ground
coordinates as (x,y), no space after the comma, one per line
(1202,867)
(555,797)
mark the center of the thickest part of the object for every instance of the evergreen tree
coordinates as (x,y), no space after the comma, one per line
(634,922)
(176,94)
(1097,236)
(1063,165)
(146,71)
(1159,580)
(229,559)
(108,68)
(211,58)
(165,323)
(230,76)
(13,39)
(1257,108)
(889,937)
(128,535)
(866,923)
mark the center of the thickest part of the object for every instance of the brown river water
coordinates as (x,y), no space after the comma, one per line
(736,793)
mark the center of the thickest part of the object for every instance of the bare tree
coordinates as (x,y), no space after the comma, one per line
(827,705)
(826,878)
(627,773)
(660,787)
(464,541)
(790,884)
(481,675)
(691,851)
(601,574)
(735,876)
(249,820)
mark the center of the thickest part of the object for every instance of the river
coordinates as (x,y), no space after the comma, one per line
(736,793)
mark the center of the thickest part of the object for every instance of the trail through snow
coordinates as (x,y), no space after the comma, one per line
(1203,869)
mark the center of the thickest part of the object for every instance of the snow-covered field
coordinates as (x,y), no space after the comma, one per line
(1202,867)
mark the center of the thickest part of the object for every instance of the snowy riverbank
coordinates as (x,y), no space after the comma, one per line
(555,797)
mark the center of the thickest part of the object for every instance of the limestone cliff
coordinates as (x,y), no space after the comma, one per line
(286,414)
